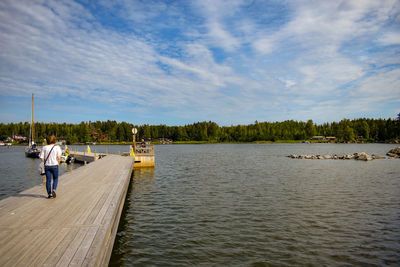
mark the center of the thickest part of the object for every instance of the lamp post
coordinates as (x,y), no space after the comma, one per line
(134,131)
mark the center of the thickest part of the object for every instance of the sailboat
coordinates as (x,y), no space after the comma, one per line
(32,150)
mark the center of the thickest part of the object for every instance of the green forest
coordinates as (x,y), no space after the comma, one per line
(360,130)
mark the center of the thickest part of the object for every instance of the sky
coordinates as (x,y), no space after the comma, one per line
(179,62)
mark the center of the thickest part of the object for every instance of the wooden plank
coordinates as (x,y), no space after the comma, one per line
(60,249)
(92,206)
(45,250)
(110,231)
(76,228)
(85,156)
(95,211)
(43,242)
(5,234)
(8,245)
(16,209)
(81,252)
(115,222)
(18,246)
(107,233)
(72,248)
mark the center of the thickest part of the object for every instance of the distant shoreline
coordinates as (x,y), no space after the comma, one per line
(277,142)
(211,142)
(108,132)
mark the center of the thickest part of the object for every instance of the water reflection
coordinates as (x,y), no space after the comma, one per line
(138,209)
(32,177)
(143,181)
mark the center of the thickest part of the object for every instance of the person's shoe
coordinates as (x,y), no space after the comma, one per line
(49,196)
(54,194)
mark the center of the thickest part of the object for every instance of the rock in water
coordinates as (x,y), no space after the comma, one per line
(362,156)
(395,152)
(356,156)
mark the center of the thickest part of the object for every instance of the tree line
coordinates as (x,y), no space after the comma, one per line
(369,130)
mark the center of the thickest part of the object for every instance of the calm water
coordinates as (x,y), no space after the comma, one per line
(249,205)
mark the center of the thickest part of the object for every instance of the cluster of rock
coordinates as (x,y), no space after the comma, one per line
(357,156)
(394,153)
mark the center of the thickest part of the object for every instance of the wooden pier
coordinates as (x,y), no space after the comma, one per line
(77,228)
(86,157)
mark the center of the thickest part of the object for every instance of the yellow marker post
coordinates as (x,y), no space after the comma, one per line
(88,149)
(132,154)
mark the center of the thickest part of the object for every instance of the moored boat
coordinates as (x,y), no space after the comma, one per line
(32,151)
(66,157)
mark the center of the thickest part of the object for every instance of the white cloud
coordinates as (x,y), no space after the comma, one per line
(321,23)
(264,45)
(222,38)
(380,87)
(327,75)
(316,36)
(391,38)
(61,48)
(363,99)
(327,22)
(215,12)
(290,83)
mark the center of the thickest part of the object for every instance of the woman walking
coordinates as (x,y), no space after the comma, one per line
(51,156)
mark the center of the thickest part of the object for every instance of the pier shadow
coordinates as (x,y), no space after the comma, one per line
(30,195)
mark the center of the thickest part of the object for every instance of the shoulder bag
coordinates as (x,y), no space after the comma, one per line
(42,170)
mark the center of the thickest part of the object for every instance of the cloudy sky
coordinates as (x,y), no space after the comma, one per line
(179,62)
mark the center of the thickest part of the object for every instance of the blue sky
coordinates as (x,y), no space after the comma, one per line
(179,62)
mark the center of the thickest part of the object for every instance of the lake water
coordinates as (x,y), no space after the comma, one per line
(249,205)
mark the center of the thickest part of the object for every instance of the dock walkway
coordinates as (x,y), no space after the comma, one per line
(86,156)
(77,228)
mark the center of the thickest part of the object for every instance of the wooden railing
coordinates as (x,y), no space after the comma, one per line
(144,149)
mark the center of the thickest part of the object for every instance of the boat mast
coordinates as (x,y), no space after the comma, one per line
(32,123)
